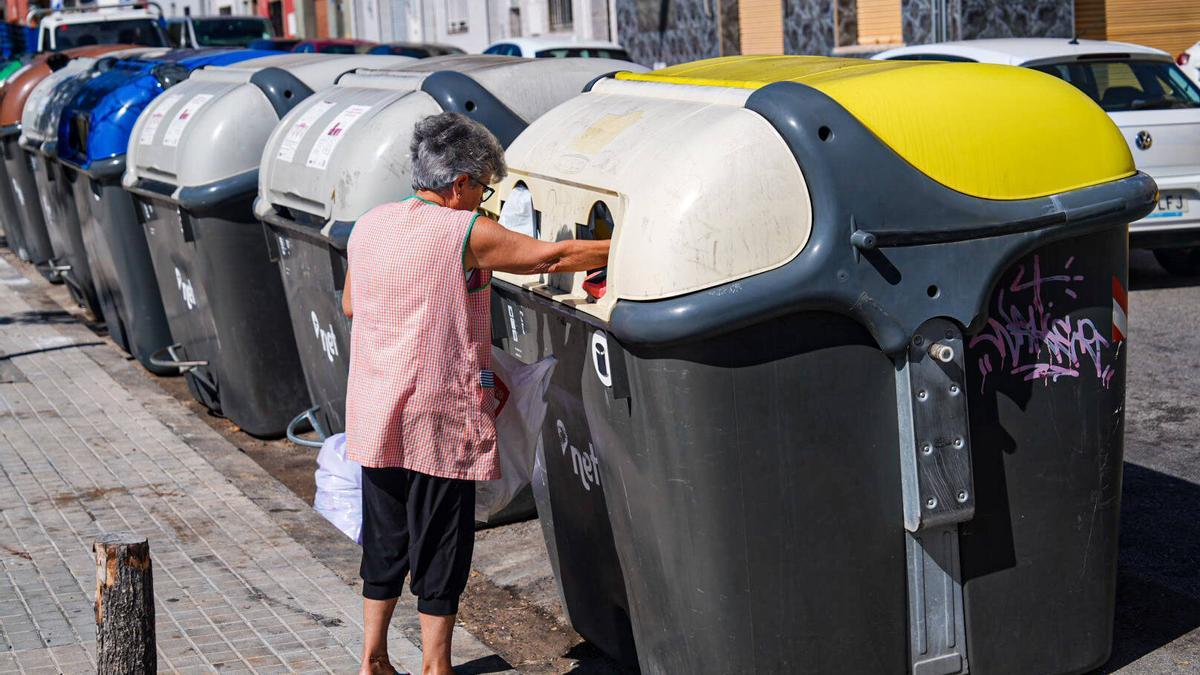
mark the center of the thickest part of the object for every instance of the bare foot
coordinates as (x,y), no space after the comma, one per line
(377,665)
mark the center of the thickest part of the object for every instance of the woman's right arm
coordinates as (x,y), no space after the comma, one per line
(492,247)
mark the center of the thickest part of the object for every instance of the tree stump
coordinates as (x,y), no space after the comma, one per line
(124,605)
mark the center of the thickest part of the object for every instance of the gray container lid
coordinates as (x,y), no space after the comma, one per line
(211,128)
(356,134)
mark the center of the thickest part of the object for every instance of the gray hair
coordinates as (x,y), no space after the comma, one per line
(447,145)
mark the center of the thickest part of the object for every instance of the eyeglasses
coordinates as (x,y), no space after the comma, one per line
(487,191)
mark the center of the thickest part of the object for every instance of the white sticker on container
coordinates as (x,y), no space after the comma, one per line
(287,149)
(186,113)
(322,150)
(161,108)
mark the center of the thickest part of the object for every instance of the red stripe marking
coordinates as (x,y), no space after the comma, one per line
(1120,295)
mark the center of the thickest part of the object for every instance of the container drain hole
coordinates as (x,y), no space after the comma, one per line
(824,133)
(470,106)
(287,93)
(933,291)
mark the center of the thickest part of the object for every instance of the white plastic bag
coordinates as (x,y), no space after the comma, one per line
(517,212)
(521,407)
(339,488)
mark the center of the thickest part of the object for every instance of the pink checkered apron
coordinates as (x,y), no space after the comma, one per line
(419,395)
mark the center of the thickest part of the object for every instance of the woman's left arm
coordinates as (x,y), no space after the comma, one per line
(347,308)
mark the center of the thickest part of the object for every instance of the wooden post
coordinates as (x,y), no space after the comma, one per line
(124,605)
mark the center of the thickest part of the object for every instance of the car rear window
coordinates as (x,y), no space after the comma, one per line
(1121,85)
(931,57)
(584,52)
(124,31)
(230,32)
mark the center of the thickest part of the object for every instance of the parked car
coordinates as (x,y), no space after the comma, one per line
(1155,105)
(1188,61)
(217,31)
(334,46)
(547,47)
(417,50)
(134,23)
(275,44)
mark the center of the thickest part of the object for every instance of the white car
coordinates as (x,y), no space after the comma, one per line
(543,47)
(136,23)
(1156,106)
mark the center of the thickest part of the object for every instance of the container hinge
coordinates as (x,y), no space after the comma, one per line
(938,492)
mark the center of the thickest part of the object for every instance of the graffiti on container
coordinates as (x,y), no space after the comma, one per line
(585,464)
(1028,336)
(185,289)
(326,337)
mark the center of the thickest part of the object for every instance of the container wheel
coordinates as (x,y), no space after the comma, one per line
(1183,262)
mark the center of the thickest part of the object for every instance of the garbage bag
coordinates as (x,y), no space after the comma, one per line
(520,409)
(339,488)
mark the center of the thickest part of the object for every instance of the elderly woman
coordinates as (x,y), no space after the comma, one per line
(419,403)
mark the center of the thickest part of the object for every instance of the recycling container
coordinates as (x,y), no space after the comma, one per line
(849,395)
(48,204)
(93,129)
(14,93)
(223,296)
(357,134)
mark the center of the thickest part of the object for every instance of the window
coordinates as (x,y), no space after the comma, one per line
(584,52)
(175,32)
(560,15)
(231,32)
(128,31)
(932,57)
(1120,85)
(504,49)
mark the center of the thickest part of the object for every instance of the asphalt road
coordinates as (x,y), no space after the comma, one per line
(1158,587)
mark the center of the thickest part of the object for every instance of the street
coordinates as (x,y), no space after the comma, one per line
(511,607)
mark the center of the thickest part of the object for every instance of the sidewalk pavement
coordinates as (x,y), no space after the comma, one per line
(83,453)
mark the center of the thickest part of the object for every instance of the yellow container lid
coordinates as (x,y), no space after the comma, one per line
(989,131)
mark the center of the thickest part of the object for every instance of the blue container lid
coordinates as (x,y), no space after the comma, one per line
(95,124)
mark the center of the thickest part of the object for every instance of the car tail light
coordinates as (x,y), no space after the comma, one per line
(1183,58)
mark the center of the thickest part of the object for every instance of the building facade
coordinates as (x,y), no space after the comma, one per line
(674,31)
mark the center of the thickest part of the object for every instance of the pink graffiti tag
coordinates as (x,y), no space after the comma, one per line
(1033,341)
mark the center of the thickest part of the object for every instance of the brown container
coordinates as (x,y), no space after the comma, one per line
(15,91)
(30,240)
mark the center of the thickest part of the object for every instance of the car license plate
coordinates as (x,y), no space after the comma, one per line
(1170,205)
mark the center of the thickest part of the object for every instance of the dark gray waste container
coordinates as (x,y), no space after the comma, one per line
(851,396)
(223,296)
(21,150)
(310,215)
(46,200)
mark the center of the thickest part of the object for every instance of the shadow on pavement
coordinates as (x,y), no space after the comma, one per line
(490,664)
(591,661)
(73,345)
(1158,579)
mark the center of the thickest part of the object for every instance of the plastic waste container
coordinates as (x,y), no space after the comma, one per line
(49,202)
(221,290)
(357,134)
(16,91)
(849,395)
(93,130)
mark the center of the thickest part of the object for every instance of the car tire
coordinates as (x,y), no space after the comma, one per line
(1182,262)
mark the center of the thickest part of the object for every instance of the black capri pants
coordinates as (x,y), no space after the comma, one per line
(413,522)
